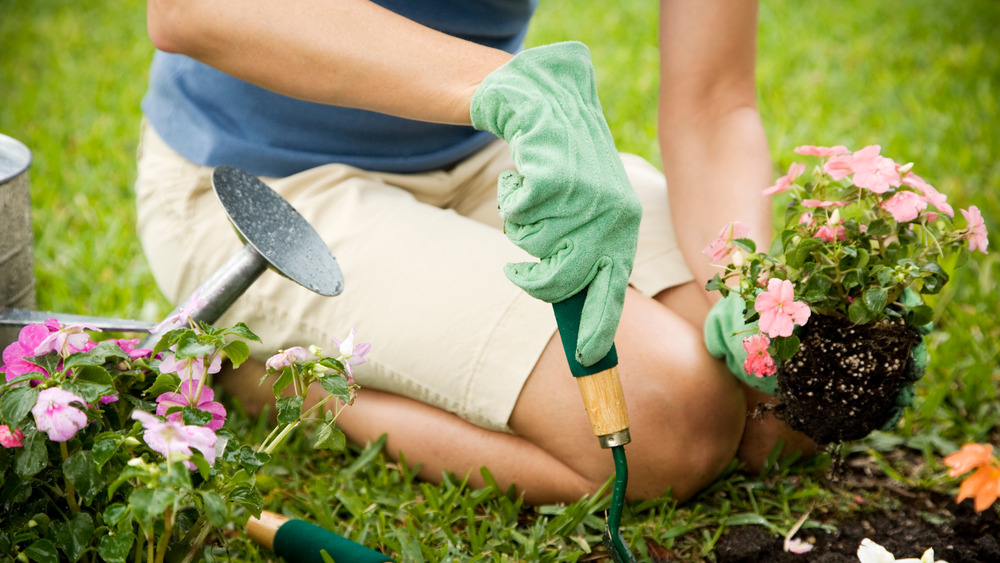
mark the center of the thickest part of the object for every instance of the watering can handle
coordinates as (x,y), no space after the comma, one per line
(600,385)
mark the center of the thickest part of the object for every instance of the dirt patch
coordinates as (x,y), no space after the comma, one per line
(904,521)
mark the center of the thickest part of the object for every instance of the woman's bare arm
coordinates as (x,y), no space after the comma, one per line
(714,150)
(350,53)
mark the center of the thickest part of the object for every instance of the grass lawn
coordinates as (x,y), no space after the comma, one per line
(919,77)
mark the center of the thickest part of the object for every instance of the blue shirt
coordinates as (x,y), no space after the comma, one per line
(212,118)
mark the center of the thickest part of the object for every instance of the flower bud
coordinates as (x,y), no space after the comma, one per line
(132,441)
(904,168)
(835,217)
(316,350)
(738,260)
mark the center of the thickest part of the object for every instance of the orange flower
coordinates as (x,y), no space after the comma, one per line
(984,484)
(968,458)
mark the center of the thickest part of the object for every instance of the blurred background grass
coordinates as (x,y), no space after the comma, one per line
(919,77)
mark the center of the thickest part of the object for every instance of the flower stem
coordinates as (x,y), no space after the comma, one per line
(70,489)
(168,530)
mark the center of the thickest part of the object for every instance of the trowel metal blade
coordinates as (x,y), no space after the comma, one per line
(277,231)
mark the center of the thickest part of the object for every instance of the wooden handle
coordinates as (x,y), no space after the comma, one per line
(261,530)
(605,401)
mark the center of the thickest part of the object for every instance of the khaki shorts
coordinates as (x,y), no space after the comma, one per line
(422,257)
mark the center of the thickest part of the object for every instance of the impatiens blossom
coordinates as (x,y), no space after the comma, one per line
(904,206)
(873,171)
(16,354)
(976,231)
(186,397)
(174,440)
(128,345)
(352,354)
(822,152)
(10,439)
(759,362)
(69,339)
(833,230)
(190,368)
(723,244)
(779,312)
(183,314)
(931,195)
(786,181)
(797,546)
(821,203)
(55,416)
(871,552)
(287,357)
(983,486)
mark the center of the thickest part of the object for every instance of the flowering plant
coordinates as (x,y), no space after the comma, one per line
(123,453)
(862,241)
(983,485)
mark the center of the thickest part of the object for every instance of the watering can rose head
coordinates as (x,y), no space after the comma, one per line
(863,239)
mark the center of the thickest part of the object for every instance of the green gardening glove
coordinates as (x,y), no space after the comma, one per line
(724,334)
(569,202)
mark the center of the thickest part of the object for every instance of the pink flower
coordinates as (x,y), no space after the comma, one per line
(806,218)
(190,368)
(838,167)
(819,203)
(797,546)
(778,312)
(287,357)
(872,171)
(831,233)
(174,440)
(129,347)
(69,339)
(54,415)
(822,152)
(186,397)
(182,315)
(351,354)
(759,362)
(723,244)
(786,181)
(931,195)
(976,231)
(15,364)
(10,439)
(904,206)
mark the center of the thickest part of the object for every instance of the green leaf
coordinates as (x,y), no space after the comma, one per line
(42,551)
(329,437)
(195,417)
(148,504)
(283,381)
(252,460)
(189,346)
(289,409)
(237,351)
(105,446)
(34,455)
(165,383)
(746,244)
(858,313)
(784,347)
(716,284)
(16,404)
(215,508)
(73,537)
(249,497)
(243,331)
(879,228)
(115,547)
(92,382)
(114,514)
(336,385)
(82,471)
(921,315)
(875,299)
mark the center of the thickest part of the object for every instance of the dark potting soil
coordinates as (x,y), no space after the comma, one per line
(904,521)
(843,381)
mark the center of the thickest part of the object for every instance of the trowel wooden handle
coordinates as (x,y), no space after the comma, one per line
(600,384)
(605,401)
(261,530)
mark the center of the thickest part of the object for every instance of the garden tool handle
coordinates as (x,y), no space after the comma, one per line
(298,541)
(600,384)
